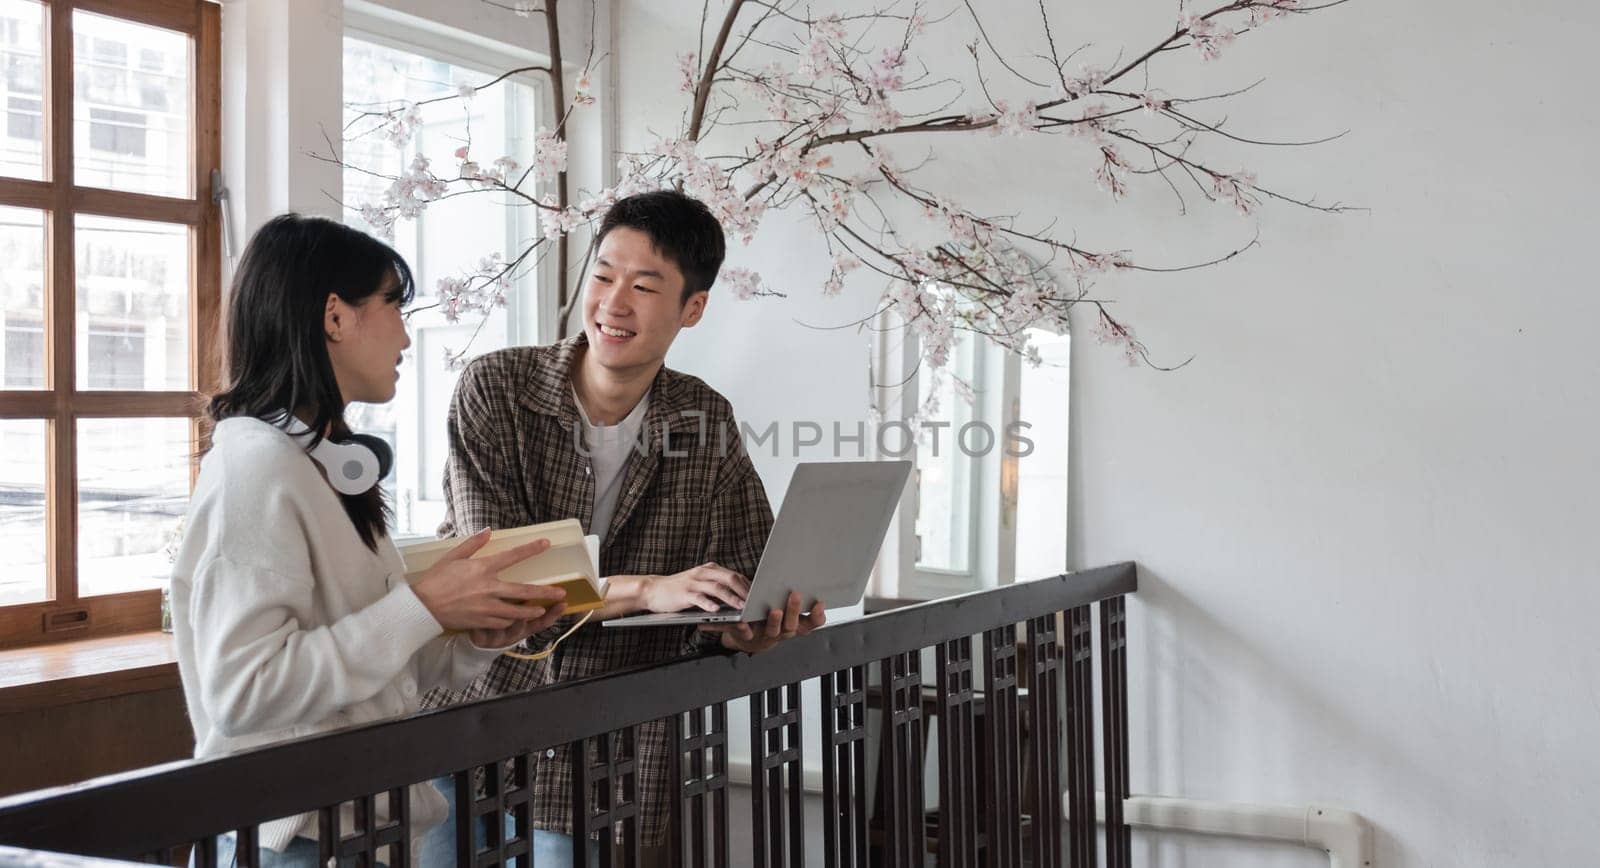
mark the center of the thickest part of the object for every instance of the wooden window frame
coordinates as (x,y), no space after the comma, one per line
(66,615)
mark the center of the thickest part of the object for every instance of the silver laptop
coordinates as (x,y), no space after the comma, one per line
(826,537)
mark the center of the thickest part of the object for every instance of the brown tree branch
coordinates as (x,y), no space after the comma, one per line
(558,99)
(702,90)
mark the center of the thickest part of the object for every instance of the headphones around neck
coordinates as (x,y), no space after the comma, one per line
(352,466)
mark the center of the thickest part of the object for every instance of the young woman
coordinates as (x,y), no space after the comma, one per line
(290,607)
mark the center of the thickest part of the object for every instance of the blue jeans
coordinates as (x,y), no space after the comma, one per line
(438,846)
(437,849)
(301,853)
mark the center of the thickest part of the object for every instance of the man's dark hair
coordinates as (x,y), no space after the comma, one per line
(680,227)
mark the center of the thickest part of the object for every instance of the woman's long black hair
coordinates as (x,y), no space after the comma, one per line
(275,348)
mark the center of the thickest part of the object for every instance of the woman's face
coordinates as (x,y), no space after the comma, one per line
(365,342)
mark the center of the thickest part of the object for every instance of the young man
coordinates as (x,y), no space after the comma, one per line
(650,459)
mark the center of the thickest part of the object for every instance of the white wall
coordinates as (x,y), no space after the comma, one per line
(1361,511)
(1364,513)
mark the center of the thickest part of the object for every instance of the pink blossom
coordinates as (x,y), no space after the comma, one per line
(832,27)
(1260,14)
(1206,34)
(1088,80)
(833,285)
(1014,122)
(1093,123)
(495,175)
(634,180)
(581,87)
(1105,261)
(549,155)
(599,201)
(1111,181)
(880,115)
(1109,331)
(882,161)
(1021,308)
(835,209)
(449,290)
(482,290)
(381,219)
(1236,189)
(843,264)
(401,123)
(746,284)
(816,59)
(884,75)
(461,152)
(1109,176)
(936,331)
(919,263)
(711,184)
(411,192)
(688,72)
(558,221)
(832,117)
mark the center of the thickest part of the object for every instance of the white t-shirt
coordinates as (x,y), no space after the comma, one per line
(608,447)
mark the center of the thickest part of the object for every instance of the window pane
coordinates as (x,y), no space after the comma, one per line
(133,487)
(133,304)
(22,510)
(21,44)
(131,106)
(944,472)
(449,239)
(21,298)
(1042,474)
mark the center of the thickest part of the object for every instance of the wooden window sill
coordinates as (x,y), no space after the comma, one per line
(43,676)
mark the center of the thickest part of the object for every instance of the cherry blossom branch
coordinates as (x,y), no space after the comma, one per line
(793,86)
(363,115)
(702,91)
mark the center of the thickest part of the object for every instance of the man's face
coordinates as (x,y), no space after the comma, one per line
(633,302)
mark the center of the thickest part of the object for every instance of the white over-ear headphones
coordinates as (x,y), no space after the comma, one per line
(352,467)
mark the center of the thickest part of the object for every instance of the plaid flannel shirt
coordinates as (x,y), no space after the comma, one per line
(690,495)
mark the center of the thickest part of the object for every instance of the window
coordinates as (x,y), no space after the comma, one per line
(108,302)
(24,363)
(1041,463)
(133,126)
(947,477)
(447,240)
(24,118)
(22,71)
(987,505)
(121,133)
(21,152)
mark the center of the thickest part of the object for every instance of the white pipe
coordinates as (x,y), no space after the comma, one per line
(1343,835)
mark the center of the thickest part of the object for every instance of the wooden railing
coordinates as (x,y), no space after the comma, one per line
(1015,736)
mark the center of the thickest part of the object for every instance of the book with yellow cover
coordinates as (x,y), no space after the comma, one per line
(569,563)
